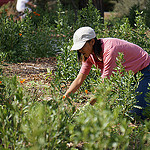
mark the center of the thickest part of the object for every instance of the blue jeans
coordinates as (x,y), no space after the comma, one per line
(143,87)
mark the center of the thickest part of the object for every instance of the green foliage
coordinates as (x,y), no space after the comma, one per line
(9,36)
(28,123)
(147,13)
(64,19)
(45,126)
(34,116)
(23,41)
(146,112)
(129,7)
(123,85)
(123,30)
(100,129)
(12,107)
(66,72)
(89,16)
(104,125)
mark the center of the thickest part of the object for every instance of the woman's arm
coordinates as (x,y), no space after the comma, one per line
(76,84)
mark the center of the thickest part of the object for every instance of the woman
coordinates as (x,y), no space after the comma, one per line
(102,53)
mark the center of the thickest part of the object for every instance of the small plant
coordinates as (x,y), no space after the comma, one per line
(89,16)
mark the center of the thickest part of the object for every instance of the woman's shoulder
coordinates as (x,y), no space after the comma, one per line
(115,42)
(110,39)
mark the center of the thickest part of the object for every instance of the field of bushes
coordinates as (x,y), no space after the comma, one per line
(35,116)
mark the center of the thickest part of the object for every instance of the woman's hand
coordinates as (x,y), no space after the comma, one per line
(76,84)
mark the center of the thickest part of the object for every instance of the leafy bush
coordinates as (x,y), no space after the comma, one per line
(34,116)
(89,16)
(104,125)
(27,122)
(23,41)
(147,13)
(129,7)
(31,120)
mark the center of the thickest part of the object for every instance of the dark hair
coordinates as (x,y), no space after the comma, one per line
(96,47)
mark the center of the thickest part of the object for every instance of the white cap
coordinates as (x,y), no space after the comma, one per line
(82,35)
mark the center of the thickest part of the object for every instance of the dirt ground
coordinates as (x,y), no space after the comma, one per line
(31,71)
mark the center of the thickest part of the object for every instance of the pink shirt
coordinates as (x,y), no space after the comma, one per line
(135,57)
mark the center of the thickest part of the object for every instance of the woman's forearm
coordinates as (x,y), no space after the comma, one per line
(73,88)
(75,84)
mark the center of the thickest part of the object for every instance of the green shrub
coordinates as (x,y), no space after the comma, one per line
(106,125)
(23,41)
(89,16)
(147,13)
(12,107)
(34,116)
(29,122)
(129,7)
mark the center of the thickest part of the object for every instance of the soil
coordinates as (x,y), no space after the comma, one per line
(30,71)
